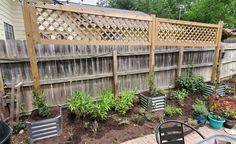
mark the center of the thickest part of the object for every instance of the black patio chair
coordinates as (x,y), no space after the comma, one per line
(172,132)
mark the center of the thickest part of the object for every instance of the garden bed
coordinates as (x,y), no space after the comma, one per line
(109,131)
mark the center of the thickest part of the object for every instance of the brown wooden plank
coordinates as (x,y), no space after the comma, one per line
(180,61)
(115,76)
(12,102)
(31,46)
(152,52)
(215,68)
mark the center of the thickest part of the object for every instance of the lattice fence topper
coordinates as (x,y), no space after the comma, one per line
(63,25)
(70,24)
(179,32)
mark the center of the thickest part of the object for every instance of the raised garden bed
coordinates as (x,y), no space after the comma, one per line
(39,128)
(152,104)
(209,90)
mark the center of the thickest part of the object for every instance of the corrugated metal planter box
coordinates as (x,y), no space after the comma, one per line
(152,104)
(43,129)
(210,89)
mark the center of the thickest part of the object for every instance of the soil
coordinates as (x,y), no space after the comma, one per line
(78,130)
(54,111)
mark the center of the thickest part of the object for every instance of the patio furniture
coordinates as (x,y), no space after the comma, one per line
(219,139)
(172,132)
(5,133)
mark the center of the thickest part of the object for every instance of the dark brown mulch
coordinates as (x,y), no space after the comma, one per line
(74,131)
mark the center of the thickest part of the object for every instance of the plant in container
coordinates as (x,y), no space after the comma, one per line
(216,121)
(44,121)
(153,100)
(230,115)
(200,111)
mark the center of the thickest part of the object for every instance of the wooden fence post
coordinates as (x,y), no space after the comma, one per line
(217,57)
(180,61)
(152,52)
(12,102)
(115,76)
(1,83)
(31,46)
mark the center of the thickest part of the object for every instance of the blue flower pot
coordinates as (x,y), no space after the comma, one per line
(216,124)
(200,119)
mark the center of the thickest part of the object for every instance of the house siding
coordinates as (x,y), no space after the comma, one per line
(11,13)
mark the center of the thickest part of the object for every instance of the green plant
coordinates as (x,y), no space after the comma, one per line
(199,108)
(191,83)
(153,91)
(125,102)
(148,116)
(39,102)
(163,91)
(230,113)
(141,111)
(180,95)
(161,118)
(192,122)
(80,103)
(138,119)
(101,108)
(94,127)
(123,122)
(172,110)
(18,126)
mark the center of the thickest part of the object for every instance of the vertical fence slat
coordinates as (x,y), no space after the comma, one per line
(31,47)
(180,61)
(152,52)
(1,83)
(115,76)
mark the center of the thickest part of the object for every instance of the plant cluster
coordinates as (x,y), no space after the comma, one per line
(171,110)
(125,102)
(101,108)
(224,106)
(142,115)
(180,95)
(80,103)
(163,91)
(153,91)
(191,83)
(199,108)
(39,102)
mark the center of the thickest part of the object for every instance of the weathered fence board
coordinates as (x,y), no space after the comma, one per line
(65,69)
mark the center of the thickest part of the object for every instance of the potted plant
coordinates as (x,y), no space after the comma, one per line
(200,111)
(230,115)
(216,121)
(153,100)
(44,121)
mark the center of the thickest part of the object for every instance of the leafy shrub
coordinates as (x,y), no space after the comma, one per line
(191,83)
(172,110)
(39,102)
(200,108)
(123,122)
(192,122)
(101,108)
(141,111)
(138,119)
(125,102)
(180,95)
(163,91)
(153,91)
(18,126)
(148,116)
(80,103)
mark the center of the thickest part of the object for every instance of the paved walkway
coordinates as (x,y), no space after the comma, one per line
(191,138)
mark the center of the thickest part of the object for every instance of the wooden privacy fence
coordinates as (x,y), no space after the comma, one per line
(64,69)
(72,48)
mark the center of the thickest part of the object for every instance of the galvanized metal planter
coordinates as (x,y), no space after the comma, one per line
(43,129)
(210,89)
(152,104)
